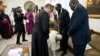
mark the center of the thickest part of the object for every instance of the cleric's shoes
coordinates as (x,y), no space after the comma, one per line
(25,40)
(19,43)
(64,53)
(59,50)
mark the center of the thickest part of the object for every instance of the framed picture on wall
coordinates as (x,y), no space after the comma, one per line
(29,5)
(93,8)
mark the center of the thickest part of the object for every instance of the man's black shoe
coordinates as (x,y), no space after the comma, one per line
(25,40)
(19,43)
(64,53)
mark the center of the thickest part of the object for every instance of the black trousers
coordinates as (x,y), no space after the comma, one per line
(79,50)
(15,28)
(3,32)
(20,31)
(64,42)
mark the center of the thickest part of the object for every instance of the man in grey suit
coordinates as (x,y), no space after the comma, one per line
(79,28)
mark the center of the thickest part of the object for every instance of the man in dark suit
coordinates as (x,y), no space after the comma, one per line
(63,22)
(79,28)
(19,17)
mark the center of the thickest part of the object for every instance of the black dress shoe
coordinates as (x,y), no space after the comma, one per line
(28,33)
(59,50)
(64,53)
(15,32)
(6,38)
(25,40)
(19,43)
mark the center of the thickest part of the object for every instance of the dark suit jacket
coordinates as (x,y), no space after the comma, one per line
(64,21)
(79,26)
(19,19)
(19,24)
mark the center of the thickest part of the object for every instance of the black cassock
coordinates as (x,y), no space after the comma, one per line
(40,35)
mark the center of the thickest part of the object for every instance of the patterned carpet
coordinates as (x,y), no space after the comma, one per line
(14,46)
(26,47)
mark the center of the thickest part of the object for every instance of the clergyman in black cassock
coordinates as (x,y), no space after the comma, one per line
(6,30)
(41,33)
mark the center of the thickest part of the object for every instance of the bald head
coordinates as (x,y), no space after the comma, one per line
(74,1)
(58,7)
(73,4)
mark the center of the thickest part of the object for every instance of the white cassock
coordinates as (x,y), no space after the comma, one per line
(52,44)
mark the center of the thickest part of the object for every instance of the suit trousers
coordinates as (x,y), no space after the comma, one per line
(21,31)
(64,42)
(79,50)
